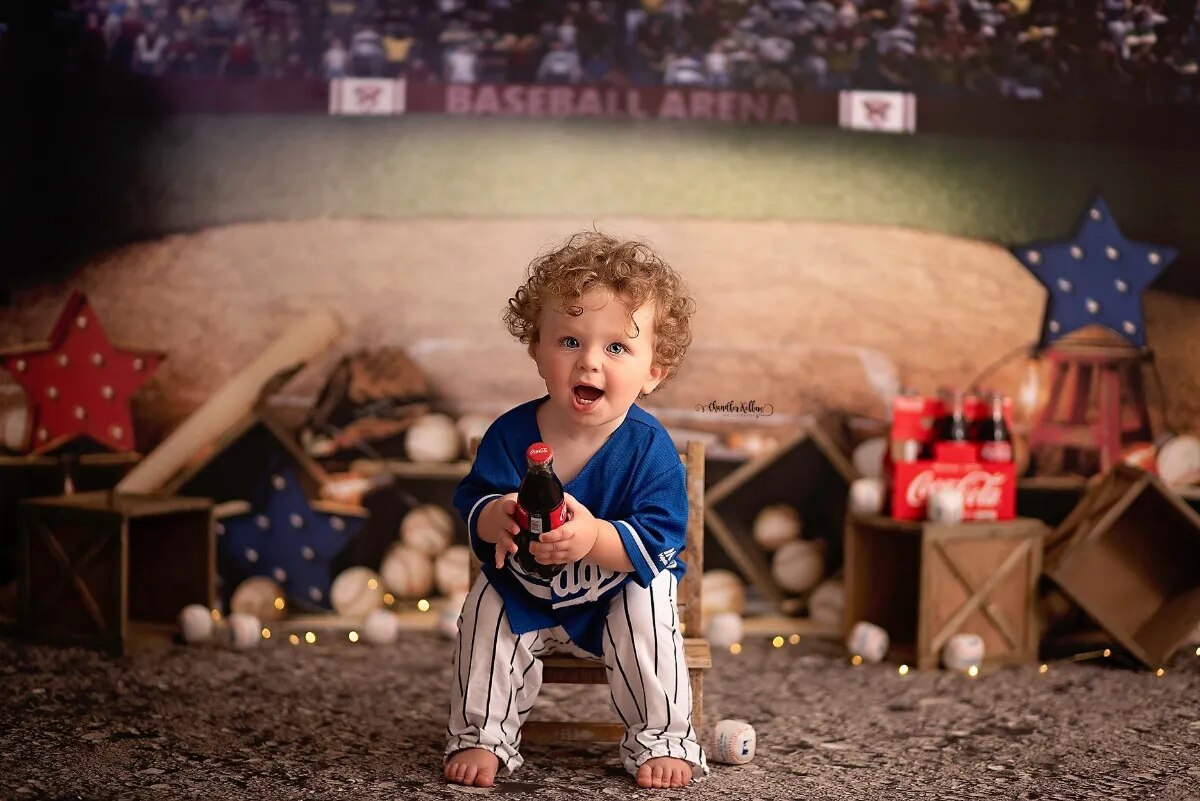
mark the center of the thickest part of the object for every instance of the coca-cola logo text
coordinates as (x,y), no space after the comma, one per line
(979,488)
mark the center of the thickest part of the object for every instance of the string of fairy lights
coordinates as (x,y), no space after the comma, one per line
(972,671)
(423,605)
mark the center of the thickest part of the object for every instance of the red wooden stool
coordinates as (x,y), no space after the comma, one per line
(1096,403)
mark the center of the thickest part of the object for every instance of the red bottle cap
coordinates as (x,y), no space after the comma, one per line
(539,453)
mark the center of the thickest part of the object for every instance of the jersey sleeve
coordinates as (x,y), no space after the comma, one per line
(656,530)
(492,474)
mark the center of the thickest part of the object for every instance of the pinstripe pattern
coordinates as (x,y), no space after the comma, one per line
(498,676)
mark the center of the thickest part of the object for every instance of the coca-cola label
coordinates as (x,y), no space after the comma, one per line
(914,418)
(996,452)
(539,453)
(988,490)
(538,523)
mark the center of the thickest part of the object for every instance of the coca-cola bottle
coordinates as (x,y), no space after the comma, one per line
(995,440)
(541,507)
(955,427)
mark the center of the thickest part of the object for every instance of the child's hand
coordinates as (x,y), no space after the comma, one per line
(496,524)
(569,542)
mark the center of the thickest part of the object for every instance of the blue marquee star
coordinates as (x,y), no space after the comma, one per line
(1097,278)
(289,538)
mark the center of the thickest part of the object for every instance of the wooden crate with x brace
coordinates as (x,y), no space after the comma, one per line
(95,564)
(924,582)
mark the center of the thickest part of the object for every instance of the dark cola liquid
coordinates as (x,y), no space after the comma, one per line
(540,508)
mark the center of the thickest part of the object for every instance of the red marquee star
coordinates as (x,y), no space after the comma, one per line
(79,383)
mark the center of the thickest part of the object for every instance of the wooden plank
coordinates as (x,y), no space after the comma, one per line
(446,470)
(576,731)
(690,586)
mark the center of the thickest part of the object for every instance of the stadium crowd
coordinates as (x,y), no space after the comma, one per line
(1137,50)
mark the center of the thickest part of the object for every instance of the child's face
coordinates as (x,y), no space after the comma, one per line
(595,365)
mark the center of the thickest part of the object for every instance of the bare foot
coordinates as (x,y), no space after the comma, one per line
(472,766)
(664,772)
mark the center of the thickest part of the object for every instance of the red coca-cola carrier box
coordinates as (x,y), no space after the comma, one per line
(988,488)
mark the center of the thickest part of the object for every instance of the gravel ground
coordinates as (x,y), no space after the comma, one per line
(341,720)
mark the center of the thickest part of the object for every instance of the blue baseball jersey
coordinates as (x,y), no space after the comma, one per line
(636,481)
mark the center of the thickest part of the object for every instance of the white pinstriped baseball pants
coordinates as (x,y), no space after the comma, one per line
(498,676)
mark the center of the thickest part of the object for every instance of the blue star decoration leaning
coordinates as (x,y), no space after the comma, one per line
(1096,278)
(290,538)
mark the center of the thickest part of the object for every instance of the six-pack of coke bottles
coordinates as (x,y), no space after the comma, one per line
(957,444)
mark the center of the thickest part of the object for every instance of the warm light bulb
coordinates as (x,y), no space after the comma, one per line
(309,637)
(280,603)
(1198,650)
(856,660)
(795,638)
(372,583)
(423,605)
(973,671)
(389,599)
(1159,672)
(777,642)
(293,639)
(216,614)
(736,648)
(1043,668)
(903,670)
(266,633)
(1107,652)
(353,636)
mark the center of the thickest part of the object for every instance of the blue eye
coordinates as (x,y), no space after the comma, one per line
(569,342)
(616,348)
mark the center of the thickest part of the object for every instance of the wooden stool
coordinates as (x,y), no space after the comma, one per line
(1096,403)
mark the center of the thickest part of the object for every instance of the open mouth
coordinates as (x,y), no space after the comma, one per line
(585,395)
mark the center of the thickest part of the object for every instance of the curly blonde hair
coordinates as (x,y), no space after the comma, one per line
(630,270)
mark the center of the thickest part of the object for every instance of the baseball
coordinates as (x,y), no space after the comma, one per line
(428,528)
(14,428)
(452,570)
(259,596)
(733,742)
(826,603)
(721,591)
(472,427)
(866,496)
(433,438)
(448,615)
(381,627)
(195,623)
(775,525)
(868,457)
(1179,460)
(356,592)
(724,629)
(407,571)
(868,641)
(963,651)
(243,631)
(798,566)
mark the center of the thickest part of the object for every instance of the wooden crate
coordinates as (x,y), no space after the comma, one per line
(924,582)
(1129,555)
(809,472)
(94,563)
(24,477)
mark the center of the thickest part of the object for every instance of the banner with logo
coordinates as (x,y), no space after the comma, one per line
(367,96)
(885,112)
